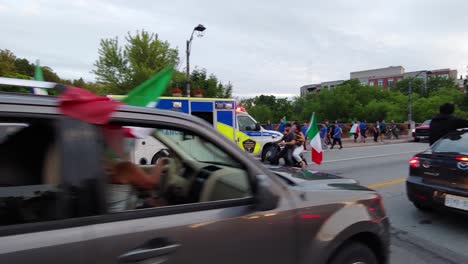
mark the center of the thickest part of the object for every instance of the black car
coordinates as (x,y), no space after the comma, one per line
(422,131)
(438,177)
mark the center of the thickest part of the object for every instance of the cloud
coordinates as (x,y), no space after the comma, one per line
(259,46)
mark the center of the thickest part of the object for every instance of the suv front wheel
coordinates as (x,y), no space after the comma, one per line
(354,253)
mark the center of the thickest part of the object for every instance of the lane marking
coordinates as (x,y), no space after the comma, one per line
(373,156)
(382,184)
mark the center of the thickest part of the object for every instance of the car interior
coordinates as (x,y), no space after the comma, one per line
(192,173)
(30,170)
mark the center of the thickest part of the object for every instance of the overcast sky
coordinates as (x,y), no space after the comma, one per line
(260,46)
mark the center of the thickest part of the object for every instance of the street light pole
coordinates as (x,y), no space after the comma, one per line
(410,101)
(187,72)
(199,28)
(410,105)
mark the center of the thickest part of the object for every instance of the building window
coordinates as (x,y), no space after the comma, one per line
(371,83)
(390,82)
(380,83)
(446,76)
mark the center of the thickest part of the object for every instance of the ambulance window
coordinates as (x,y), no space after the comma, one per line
(246,123)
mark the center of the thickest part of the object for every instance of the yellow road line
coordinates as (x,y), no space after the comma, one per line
(382,184)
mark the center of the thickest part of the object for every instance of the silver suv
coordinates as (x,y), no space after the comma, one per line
(212,202)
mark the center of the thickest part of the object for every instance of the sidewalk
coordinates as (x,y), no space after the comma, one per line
(349,142)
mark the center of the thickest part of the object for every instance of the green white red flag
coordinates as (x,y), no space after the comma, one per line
(315,142)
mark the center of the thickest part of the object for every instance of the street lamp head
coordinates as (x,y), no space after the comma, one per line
(200,28)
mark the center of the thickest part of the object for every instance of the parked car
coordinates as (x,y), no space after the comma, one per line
(422,131)
(216,203)
(438,177)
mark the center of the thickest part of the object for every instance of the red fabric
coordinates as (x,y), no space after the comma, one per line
(85,106)
(317,156)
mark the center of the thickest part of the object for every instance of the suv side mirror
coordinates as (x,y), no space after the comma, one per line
(265,198)
(257,127)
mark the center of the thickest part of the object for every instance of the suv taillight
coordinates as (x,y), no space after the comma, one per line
(462,158)
(414,162)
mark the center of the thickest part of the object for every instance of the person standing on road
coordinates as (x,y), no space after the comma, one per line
(323,134)
(304,129)
(363,130)
(337,133)
(383,130)
(355,131)
(281,126)
(269,126)
(445,122)
(376,131)
(394,129)
(331,129)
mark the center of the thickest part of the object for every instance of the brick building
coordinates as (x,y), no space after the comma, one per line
(383,77)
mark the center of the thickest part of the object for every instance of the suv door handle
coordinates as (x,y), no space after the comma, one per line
(148,252)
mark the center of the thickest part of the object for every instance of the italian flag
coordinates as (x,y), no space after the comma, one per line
(315,142)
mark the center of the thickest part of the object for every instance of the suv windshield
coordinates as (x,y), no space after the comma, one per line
(453,142)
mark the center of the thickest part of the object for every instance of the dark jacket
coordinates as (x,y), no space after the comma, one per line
(442,124)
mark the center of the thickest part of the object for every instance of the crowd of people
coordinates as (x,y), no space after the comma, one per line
(332,133)
(294,138)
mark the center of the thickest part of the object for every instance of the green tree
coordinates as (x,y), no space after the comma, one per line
(147,55)
(417,85)
(7,62)
(210,85)
(112,67)
(261,113)
(436,83)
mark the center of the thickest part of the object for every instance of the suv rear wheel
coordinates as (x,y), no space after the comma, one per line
(354,253)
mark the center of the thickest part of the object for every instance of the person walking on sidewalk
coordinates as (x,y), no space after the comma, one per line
(323,134)
(363,130)
(337,133)
(394,129)
(383,130)
(355,131)
(376,131)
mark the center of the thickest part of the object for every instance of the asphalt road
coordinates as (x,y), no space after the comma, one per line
(417,237)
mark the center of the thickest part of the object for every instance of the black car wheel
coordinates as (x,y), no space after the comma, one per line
(423,207)
(354,253)
(416,139)
(268,152)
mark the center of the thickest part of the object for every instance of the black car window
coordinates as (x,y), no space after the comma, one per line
(453,142)
(29,173)
(159,167)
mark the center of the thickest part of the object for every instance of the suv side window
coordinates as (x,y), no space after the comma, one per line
(185,168)
(29,173)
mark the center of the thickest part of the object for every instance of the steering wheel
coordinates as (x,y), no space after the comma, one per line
(172,185)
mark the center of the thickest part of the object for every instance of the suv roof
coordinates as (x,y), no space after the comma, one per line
(43,100)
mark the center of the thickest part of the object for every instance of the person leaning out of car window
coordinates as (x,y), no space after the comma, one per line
(445,122)
(126,179)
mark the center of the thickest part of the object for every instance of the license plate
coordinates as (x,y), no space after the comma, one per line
(456,202)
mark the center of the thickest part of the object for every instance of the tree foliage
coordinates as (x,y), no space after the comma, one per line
(352,101)
(121,67)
